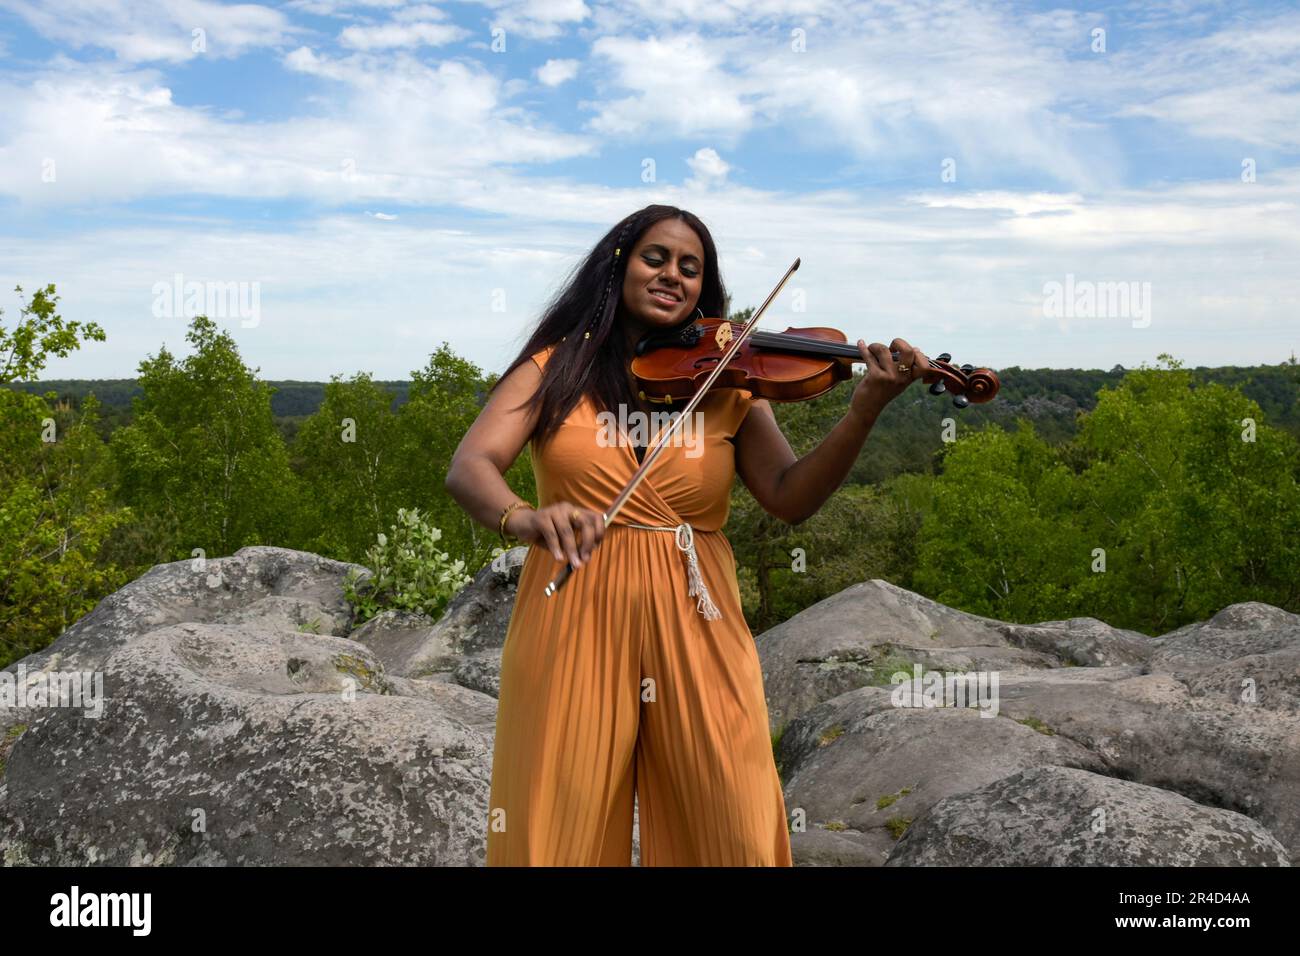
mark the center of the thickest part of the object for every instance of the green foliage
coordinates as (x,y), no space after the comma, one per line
(408,571)
(897,826)
(1193,516)
(1159,513)
(40,333)
(346,455)
(1037,725)
(1000,518)
(55,515)
(49,550)
(859,534)
(6,744)
(445,398)
(202,462)
(392,455)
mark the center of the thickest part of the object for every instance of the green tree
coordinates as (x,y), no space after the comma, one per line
(54,472)
(1175,499)
(858,534)
(1000,538)
(202,459)
(1194,498)
(53,526)
(40,333)
(445,398)
(347,455)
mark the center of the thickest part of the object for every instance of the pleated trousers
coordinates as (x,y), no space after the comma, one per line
(617,687)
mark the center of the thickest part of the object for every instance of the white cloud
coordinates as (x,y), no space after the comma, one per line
(407,130)
(405,35)
(872,79)
(679,89)
(343,8)
(535,19)
(555,72)
(140,31)
(1020,204)
(988,85)
(947,278)
(707,168)
(788,13)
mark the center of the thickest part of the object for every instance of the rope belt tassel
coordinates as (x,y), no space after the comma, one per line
(685,536)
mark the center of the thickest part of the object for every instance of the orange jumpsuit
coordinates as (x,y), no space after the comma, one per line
(619,684)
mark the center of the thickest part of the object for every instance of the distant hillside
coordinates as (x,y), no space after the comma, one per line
(290,398)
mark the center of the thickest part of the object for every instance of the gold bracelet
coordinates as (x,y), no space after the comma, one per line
(505,514)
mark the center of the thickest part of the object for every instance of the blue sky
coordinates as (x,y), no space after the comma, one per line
(376,178)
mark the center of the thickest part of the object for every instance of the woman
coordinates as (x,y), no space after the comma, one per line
(639,676)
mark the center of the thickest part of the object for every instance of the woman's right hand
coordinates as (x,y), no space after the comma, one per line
(566,529)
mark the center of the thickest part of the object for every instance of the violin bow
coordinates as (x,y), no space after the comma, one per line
(663,437)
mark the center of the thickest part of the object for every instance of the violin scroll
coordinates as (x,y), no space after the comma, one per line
(966,384)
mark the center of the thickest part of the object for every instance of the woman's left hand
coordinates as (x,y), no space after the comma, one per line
(884,381)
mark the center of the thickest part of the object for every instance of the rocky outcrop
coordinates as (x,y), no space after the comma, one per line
(1056,816)
(246,718)
(1207,713)
(244,721)
(464,645)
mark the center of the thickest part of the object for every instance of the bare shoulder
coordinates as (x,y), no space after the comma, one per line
(521,382)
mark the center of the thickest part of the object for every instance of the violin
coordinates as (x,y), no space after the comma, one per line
(791,366)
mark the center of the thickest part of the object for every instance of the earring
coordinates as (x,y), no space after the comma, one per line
(700,311)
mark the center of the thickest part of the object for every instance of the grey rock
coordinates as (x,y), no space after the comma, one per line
(465,641)
(865,633)
(1082,642)
(275,586)
(1058,816)
(1216,638)
(241,695)
(241,726)
(860,763)
(223,744)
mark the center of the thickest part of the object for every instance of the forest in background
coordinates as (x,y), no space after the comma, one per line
(1148,497)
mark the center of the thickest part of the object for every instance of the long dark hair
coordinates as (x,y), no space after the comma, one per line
(596,367)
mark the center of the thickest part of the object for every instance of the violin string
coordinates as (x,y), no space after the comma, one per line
(806,340)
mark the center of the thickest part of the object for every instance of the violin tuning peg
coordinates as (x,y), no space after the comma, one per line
(960,401)
(945,357)
(967,369)
(938,388)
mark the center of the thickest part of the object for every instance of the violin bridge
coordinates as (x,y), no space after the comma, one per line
(723,336)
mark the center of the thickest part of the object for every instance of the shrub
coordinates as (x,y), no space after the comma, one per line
(408,571)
